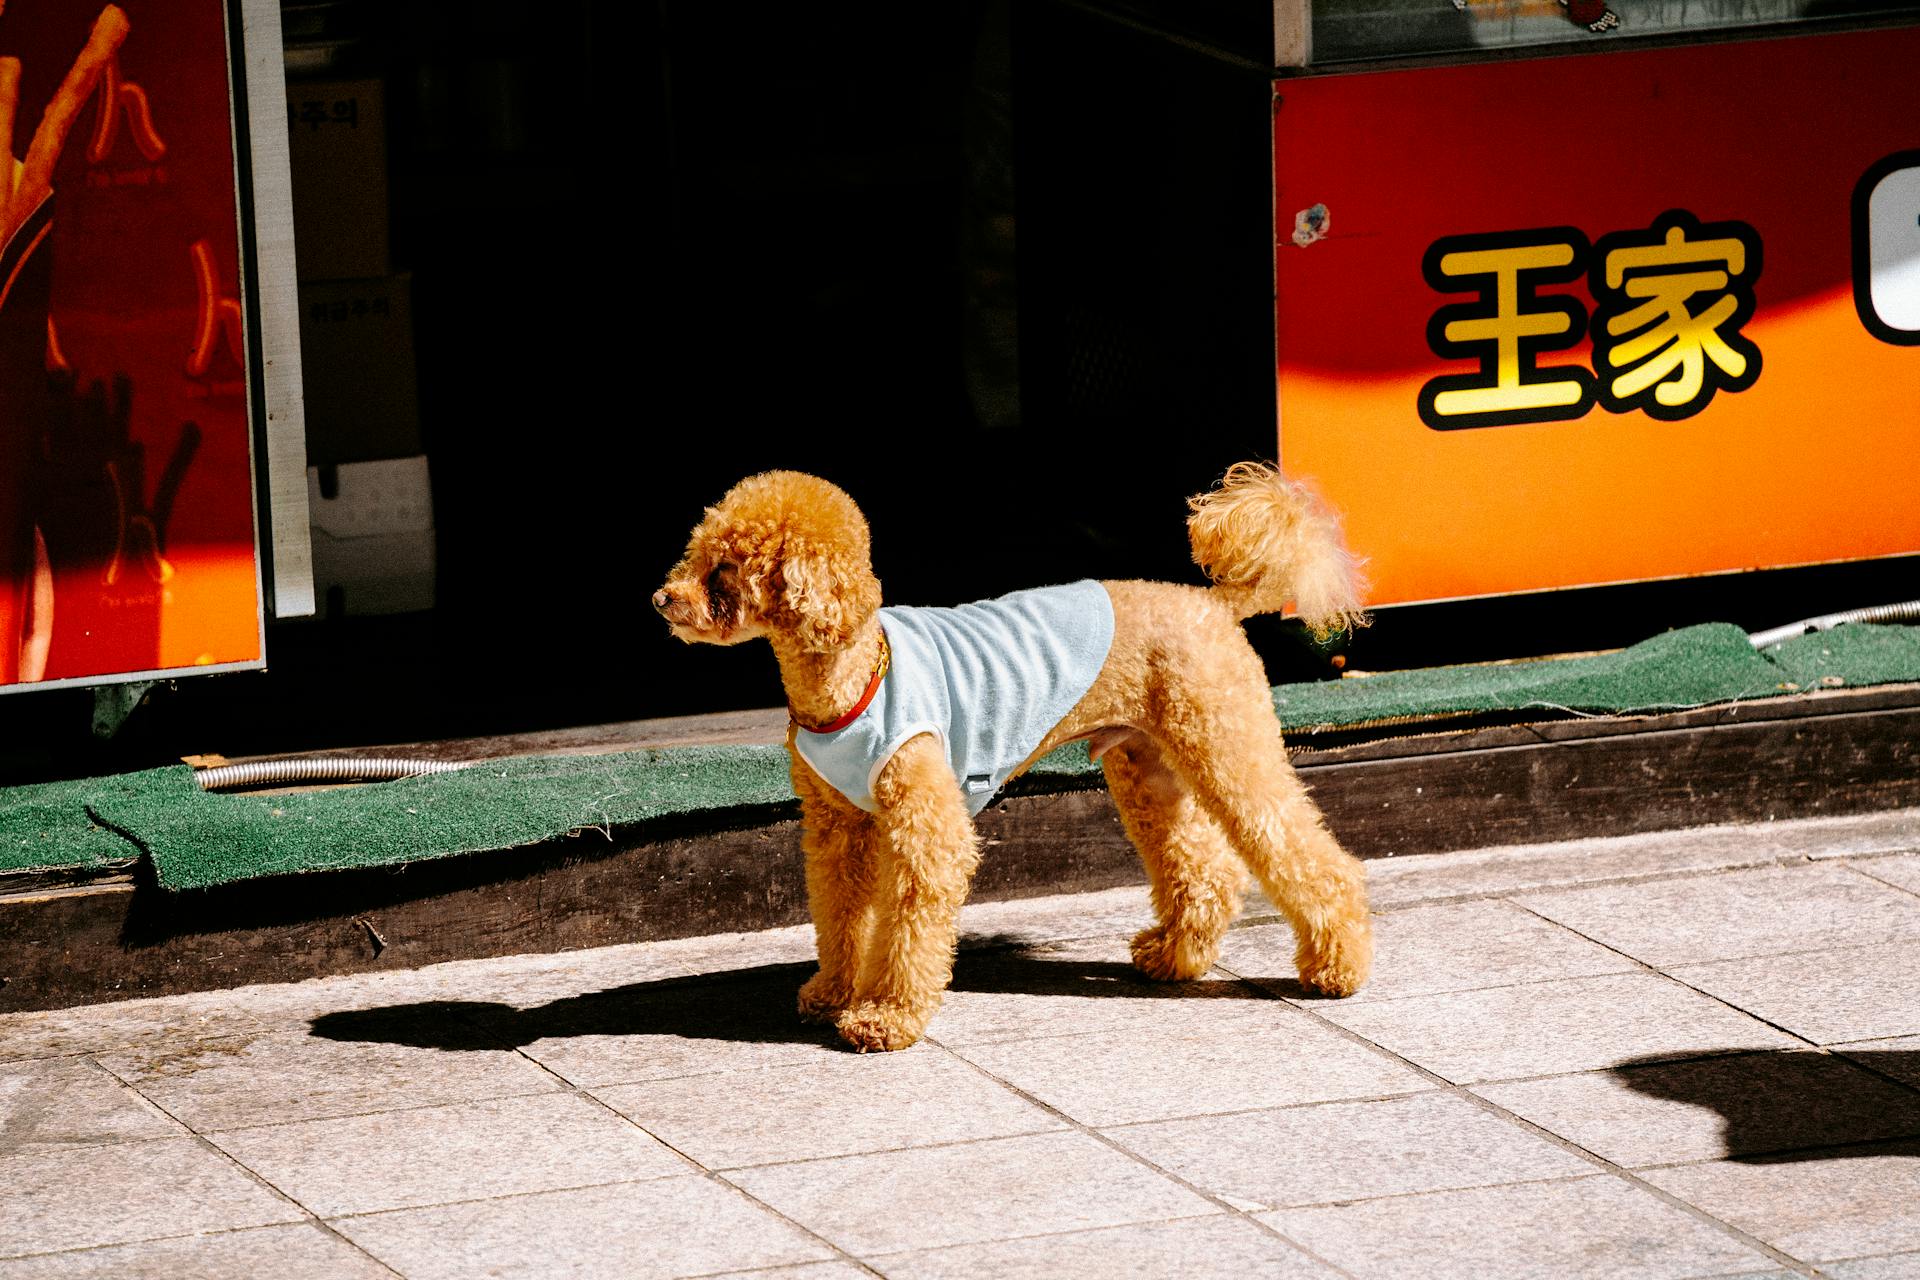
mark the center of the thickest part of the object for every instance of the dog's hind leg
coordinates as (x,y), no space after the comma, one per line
(837,840)
(925,856)
(1221,735)
(1197,878)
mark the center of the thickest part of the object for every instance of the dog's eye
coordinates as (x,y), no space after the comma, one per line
(723,597)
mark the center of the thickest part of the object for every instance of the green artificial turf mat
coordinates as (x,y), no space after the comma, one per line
(1850,656)
(49,825)
(198,839)
(1688,668)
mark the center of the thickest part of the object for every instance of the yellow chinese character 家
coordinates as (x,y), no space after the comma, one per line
(1505,329)
(1668,306)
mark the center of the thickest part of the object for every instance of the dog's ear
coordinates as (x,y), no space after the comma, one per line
(827,597)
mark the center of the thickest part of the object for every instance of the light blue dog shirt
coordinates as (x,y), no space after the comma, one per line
(990,680)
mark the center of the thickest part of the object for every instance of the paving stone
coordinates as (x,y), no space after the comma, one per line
(658,1031)
(997,1189)
(983,926)
(686,1226)
(65,1102)
(1218,1248)
(269,1079)
(1903,872)
(432,1155)
(1407,879)
(297,1251)
(1342,1151)
(1848,1202)
(1550,1027)
(1071,988)
(800,1271)
(838,1106)
(738,953)
(1848,993)
(50,1033)
(1860,835)
(1535,1231)
(1745,1104)
(1425,877)
(1898,1057)
(504,980)
(1893,1266)
(85,1196)
(1762,912)
(1247,1056)
(1115,913)
(1426,950)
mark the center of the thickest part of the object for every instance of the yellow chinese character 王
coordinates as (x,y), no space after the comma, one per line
(1668,306)
(1505,329)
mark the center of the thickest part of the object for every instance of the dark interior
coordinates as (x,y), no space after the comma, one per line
(658,247)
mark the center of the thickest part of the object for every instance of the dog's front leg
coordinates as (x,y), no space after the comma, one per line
(837,840)
(925,853)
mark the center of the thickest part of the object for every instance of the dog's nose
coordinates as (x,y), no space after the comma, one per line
(661,599)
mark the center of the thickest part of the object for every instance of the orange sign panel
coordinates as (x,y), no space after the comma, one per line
(1606,318)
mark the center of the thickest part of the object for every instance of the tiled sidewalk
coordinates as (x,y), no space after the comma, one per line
(1663,1056)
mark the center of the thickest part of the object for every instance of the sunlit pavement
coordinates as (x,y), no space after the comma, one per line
(1674,1055)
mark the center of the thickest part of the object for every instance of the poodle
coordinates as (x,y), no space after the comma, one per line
(906,721)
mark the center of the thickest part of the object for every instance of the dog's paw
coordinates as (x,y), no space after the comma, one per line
(1165,956)
(878,1027)
(1333,978)
(1338,970)
(822,1001)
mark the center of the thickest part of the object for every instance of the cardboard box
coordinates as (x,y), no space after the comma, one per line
(337,146)
(356,358)
(373,540)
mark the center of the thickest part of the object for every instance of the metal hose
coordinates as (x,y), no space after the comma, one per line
(260,773)
(1828,621)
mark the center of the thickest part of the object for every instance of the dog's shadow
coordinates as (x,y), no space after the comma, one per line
(1782,1107)
(743,1006)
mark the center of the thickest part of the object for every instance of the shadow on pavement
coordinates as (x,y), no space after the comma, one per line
(1796,1105)
(750,1005)
(1035,973)
(746,1005)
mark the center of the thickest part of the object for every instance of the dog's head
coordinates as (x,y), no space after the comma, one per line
(783,555)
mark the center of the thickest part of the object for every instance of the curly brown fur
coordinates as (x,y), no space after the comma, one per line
(1265,540)
(1180,718)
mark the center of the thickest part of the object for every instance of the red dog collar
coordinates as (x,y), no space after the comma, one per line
(873,686)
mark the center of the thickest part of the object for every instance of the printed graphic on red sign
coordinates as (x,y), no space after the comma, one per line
(126,491)
(1681,341)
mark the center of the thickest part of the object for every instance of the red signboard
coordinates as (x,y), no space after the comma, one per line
(126,487)
(1614,317)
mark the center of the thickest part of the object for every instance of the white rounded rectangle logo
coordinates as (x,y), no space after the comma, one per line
(1886,249)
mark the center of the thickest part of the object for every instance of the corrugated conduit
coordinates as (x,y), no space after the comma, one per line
(307,769)
(1906,612)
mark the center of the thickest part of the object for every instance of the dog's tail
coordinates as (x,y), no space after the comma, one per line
(1266,541)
